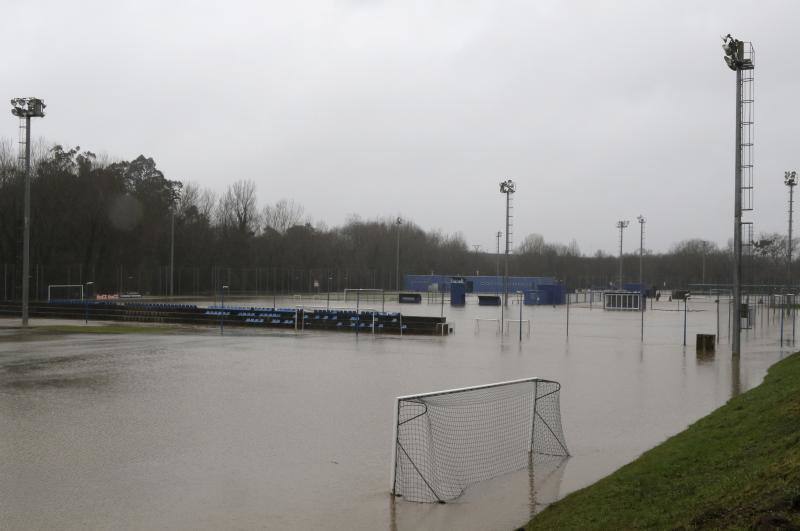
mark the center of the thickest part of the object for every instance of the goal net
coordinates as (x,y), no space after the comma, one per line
(61,292)
(448,440)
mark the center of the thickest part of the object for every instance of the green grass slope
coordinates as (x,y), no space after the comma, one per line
(737,468)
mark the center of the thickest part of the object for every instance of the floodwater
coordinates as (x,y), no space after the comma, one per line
(293,431)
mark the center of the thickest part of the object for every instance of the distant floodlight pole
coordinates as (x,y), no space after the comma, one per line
(642,299)
(172,254)
(398,222)
(507,187)
(27,108)
(735,59)
(222,311)
(86,303)
(621,225)
(790,179)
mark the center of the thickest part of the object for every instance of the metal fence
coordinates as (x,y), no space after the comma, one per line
(191,280)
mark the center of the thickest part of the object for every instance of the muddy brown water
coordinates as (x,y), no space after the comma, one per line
(293,431)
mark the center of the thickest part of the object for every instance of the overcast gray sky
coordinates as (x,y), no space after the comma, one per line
(599,110)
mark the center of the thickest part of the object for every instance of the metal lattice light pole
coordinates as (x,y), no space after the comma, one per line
(790,179)
(621,225)
(398,222)
(739,58)
(508,187)
(25,109)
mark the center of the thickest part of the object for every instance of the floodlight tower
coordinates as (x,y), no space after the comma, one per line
(790,179)
(25,109)
(508,187)
(739,57)
(621,225)
(398,222)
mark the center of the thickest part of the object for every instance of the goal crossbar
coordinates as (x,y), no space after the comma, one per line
(50,287)
(444,441)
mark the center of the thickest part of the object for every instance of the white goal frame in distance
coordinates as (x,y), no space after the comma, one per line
(50,286)
(363,290)
(396,418)
(624,301)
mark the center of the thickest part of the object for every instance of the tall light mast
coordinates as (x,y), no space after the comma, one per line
(740,58)
(25,109)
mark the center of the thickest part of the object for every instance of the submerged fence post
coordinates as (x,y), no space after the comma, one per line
(685,311)
(729,319)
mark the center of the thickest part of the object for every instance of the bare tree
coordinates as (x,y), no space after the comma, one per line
(237,207)
(8,159)
(283,215)
(532,244)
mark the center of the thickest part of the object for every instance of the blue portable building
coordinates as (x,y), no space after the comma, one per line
(458,292)
(485,284)
(545,294)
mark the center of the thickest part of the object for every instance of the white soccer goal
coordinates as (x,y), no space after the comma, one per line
(64,292)
(448,440)
(363,294)
(479,320)
(525,324)
(622,300)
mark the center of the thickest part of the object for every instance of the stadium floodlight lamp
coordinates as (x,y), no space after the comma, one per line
(508,187)
(735,54)
(790,178)
(28,107)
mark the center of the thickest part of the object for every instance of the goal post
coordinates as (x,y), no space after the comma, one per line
(445,441)
(64,292)
(363,294)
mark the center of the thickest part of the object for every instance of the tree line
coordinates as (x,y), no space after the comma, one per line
(111,223)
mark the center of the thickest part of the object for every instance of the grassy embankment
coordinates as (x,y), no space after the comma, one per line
(739,467)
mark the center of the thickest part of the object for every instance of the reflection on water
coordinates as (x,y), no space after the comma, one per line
(283,431)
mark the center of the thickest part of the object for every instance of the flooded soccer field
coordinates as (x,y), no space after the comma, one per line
(193,430)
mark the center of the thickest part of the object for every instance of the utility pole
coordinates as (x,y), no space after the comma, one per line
(172,254)
(621,225)
(25,109)
(497,269)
